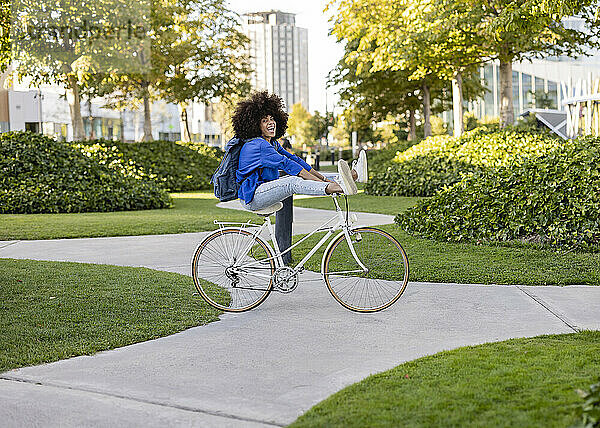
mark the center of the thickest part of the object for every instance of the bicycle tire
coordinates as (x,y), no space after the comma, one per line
(225,268)
(362,291)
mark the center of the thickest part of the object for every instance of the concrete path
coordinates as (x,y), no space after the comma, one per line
(267,366)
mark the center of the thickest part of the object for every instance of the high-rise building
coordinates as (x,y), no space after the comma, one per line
(279,55)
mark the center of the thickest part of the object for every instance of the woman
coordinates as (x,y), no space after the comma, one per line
(260,120)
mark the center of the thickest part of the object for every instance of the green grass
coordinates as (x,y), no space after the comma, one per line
(433,261)
(429,260)
(193,212)
(327,167)
(55,310)
(361,202)
(521,383)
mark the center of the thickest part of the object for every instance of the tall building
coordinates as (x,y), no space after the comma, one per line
(279,55)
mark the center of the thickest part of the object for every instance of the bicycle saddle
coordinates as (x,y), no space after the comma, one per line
(268,210)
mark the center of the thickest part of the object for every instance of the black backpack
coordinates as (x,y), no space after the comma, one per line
(224,180)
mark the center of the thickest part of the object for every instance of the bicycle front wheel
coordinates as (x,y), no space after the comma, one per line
(232,270)
(386,273)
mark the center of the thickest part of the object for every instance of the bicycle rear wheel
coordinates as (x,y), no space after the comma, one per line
(232,270)
(361,291)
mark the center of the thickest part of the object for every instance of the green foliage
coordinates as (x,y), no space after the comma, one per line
(41,175)
(5,48)
(299,125)
(433,41)
(175,166)
(379,159)
(443,160)
(553,199)
(590,409)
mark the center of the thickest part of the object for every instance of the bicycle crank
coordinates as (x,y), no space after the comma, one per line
(285,279)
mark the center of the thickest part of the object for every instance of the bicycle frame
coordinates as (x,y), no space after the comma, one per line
(341,224)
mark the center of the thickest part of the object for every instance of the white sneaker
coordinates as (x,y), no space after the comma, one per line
(346,181)
(360,166)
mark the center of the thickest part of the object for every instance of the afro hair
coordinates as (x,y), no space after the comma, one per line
(249,112)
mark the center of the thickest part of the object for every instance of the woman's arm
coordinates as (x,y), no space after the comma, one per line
(319,175)
(309,175)
(299,160)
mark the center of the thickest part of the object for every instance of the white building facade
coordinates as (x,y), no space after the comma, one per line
(278,55)
(46,110)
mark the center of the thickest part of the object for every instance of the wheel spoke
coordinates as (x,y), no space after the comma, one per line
(225,285)
(366,292)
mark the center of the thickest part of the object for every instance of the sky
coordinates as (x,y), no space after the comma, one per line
(323,51)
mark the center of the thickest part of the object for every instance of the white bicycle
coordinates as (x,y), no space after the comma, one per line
(235,270)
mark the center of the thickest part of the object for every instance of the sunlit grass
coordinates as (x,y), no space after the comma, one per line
(519,383)
(192,212)
(55,310)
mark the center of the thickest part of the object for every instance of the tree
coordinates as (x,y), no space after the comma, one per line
(64,43)
(430,43)
(450,37)
(319,125)
(197,54)
(373,96)
(223,111)
(299,125)
(5,49)
(202,56)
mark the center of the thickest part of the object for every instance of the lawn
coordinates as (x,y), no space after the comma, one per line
(55,310)
(193,212)
(429,260)
(361,202)
(520,382)
(432,261)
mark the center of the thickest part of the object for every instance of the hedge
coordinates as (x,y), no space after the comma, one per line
(441,161)
(41,175)
(379,159)
(553,199)
(176,166)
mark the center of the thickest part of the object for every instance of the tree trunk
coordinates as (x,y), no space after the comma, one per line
(147,118)
(122,114)
(426,111)
(412,126)
(184,123)
(91,119)
(74,100)
(457,105)
(507,114)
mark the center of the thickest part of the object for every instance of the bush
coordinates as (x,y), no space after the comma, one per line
(175,166)
(379,159)
(441,161)
(41,175)
(553,199)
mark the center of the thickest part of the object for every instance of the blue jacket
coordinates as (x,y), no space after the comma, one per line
(260,161)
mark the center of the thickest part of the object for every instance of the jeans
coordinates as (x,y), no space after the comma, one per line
(271,192)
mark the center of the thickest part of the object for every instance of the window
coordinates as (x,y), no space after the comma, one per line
(553,94)
(515,83)
(488,97)
(526,92)
(32,126)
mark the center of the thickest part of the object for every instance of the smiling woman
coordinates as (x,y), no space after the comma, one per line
(260,120)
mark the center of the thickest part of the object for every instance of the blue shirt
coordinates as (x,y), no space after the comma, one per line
(260,161)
